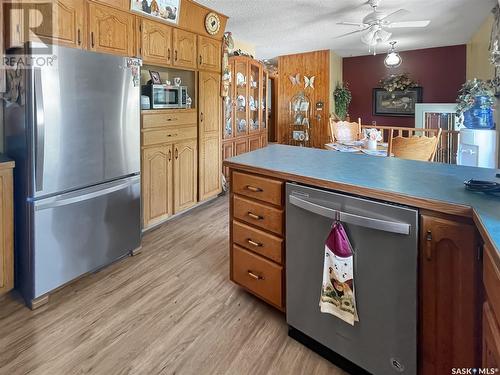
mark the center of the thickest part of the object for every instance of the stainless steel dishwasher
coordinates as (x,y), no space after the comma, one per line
(384,238)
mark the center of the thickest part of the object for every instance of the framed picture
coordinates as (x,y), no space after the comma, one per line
(396,103)
(155,77)
(165,10)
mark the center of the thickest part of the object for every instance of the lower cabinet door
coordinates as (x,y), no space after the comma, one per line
(157,185)
(491,339)
(450,304)
(240,146)
(254,143)
(185,175)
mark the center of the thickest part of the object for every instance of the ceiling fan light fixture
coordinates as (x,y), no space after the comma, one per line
(393,59)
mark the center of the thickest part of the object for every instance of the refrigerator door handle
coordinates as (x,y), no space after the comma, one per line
(367,222)
(66,199)
(39,122)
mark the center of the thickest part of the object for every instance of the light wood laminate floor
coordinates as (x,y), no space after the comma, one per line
(170,310)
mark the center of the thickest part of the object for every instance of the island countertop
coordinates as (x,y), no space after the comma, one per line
(433,186)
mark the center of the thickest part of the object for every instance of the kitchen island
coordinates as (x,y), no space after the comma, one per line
(455,226)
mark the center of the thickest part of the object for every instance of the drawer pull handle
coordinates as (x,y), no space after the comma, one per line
(171,135)
(253,216)
(254,276)
(253,243)
(172,119)
(254,189)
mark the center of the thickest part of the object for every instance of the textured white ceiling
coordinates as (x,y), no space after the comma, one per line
(280,27)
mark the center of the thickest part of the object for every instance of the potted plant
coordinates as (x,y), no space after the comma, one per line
(342,97)
(476,100)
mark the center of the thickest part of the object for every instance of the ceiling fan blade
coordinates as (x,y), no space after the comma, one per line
(397,13)
(351,24)
(394,25)
(351,33)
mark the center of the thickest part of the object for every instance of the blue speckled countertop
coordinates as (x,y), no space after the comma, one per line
(414,183)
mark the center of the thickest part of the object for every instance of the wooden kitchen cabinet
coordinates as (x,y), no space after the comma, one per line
(254,143)
(240,146)
(6,228)
(227,152)
(491,309)
(111,30)
(209,51)
(60,22)
(120,4)
(184,45)
(185,175)
(449,296)
(66,22)
(156,42)
(210,107)
(157,188)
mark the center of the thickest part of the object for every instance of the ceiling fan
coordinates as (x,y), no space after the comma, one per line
(373,26)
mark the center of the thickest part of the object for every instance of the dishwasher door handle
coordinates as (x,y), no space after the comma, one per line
(377,224)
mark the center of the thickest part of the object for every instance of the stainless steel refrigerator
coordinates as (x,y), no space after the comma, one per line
(74,132)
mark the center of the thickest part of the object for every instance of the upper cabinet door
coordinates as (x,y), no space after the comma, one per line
(120,4)
(111,30)
(156,43)
(209,51)
(61,22)
(184,44)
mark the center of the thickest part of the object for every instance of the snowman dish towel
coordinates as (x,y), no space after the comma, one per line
(337,292)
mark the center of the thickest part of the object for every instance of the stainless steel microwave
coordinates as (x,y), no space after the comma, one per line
(164,96)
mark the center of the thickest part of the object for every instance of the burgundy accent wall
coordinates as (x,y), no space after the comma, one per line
(440,71)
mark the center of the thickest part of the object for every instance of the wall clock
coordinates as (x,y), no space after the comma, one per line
(212,23)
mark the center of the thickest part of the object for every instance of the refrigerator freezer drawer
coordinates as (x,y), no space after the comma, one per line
(83,231)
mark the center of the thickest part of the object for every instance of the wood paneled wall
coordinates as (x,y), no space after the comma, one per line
(309,64)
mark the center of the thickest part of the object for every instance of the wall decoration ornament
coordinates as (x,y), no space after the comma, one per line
(166,10)
(397,82)
(295,79)
(396,102)
(309,82)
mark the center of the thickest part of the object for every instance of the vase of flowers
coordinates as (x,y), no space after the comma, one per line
(372,136)
(475,104)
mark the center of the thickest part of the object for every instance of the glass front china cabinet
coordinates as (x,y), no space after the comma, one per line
(245,109)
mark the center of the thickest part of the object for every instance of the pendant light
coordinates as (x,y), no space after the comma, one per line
(393,60)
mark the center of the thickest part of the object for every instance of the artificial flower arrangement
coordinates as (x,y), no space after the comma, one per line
(471,90)
(398,82)
(372,135)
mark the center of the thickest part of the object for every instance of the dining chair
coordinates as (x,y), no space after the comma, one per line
(408,145)
(344,131)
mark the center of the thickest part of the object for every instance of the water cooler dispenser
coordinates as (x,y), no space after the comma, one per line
(478,148)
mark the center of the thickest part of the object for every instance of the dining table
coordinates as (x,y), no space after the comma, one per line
(358,147)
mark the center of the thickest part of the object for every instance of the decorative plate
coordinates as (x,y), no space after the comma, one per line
(240,79)
(242,126)
(241,102)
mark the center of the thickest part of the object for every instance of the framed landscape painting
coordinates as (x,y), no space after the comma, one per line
(166,10)
(396,103)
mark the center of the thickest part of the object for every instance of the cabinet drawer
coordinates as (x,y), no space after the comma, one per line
(491,280)
(263,216)
(155,120)
(259,275)
(260,188)
(169,134)
(258,241)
